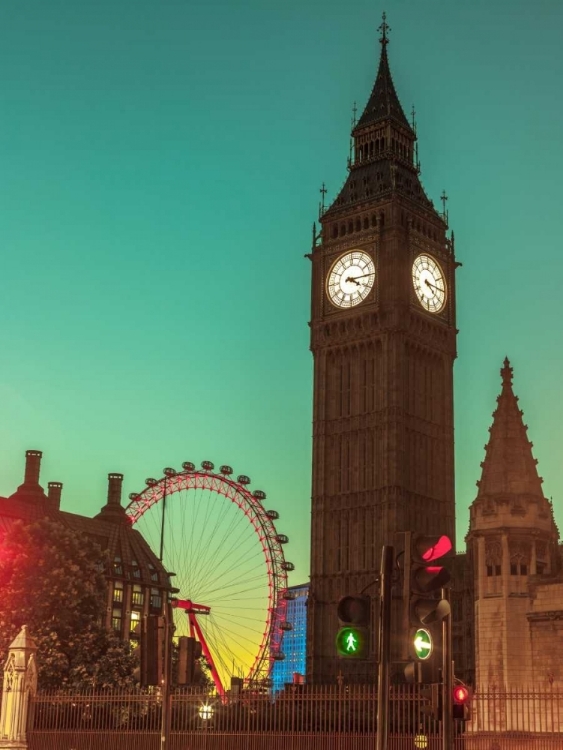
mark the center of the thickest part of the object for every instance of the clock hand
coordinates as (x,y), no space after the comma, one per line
(432,285)
(351,278)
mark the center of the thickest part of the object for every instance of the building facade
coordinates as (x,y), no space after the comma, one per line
(138,584)
(294,643)
(383,338)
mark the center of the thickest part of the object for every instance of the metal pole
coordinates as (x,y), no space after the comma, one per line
(162,524)
(165,689)
(447,680)
(387,561)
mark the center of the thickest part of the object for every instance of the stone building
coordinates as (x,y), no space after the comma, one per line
(512,575)
(138,584)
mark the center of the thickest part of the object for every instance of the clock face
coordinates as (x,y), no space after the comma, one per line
(429,283)
(350,279)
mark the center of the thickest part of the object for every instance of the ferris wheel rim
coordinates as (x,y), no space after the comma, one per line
(250,503)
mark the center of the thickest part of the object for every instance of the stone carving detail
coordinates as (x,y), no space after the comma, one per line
(493,553)
(520,552)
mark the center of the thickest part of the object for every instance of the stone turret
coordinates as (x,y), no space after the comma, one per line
(512,542)
(20,684)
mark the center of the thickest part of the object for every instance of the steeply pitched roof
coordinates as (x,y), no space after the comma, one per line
(509,466)
(383,102)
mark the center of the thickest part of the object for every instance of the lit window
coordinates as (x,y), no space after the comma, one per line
(137,596)
(135,627)
(118,591)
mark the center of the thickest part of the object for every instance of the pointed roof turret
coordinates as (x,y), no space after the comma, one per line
(383,102)
(509,466)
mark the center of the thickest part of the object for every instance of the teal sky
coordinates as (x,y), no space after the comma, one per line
(159,173)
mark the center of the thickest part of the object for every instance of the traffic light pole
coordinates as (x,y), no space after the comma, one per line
(387,561)
(447,680)
(165,687)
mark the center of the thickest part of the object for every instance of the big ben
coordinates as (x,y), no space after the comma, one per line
(383,338)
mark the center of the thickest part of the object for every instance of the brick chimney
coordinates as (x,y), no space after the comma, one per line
(54,490)
(32,467)
(113,510)
(114,489)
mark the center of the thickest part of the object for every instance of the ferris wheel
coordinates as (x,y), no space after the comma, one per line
(227,556)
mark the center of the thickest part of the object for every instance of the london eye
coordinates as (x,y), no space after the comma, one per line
(220,540)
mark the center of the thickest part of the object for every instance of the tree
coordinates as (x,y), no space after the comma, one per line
(51,579)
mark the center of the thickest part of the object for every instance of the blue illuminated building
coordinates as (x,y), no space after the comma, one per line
(294,640)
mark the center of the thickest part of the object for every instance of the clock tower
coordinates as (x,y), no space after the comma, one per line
(383,338)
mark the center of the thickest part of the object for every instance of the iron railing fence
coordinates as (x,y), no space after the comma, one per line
(300,718)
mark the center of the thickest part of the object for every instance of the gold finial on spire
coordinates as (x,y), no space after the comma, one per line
(384,28)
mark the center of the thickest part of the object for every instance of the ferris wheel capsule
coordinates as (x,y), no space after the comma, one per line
(207,465)
(226,470)
(169,472)
(188,466)
(259,495)
(286,565)
(243,479)
(273,514)
(150,482)
(282,538)
(133,495)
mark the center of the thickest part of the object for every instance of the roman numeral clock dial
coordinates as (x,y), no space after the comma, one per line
(350,279)
(429,283)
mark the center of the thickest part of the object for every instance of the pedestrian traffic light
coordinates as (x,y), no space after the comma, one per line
(423,579)
(352,639)
(461,706)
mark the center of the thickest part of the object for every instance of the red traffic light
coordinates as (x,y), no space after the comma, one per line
(441,547)
(461,694)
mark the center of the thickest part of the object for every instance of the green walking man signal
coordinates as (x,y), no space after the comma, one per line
(352,639)
(350,642)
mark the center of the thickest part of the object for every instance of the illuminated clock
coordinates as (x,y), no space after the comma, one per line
(429,283)
(350,279)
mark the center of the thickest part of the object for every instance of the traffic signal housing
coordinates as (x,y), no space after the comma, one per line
(461,704)
(189,651)
(424,577)
(152,650)
(352,639)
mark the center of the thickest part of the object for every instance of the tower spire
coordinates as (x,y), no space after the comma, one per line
(509,466)
(383,102)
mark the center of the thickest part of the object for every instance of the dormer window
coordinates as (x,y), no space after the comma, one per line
(117,566)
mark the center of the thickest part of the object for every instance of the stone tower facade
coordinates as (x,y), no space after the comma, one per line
(383,338)
(512,546)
